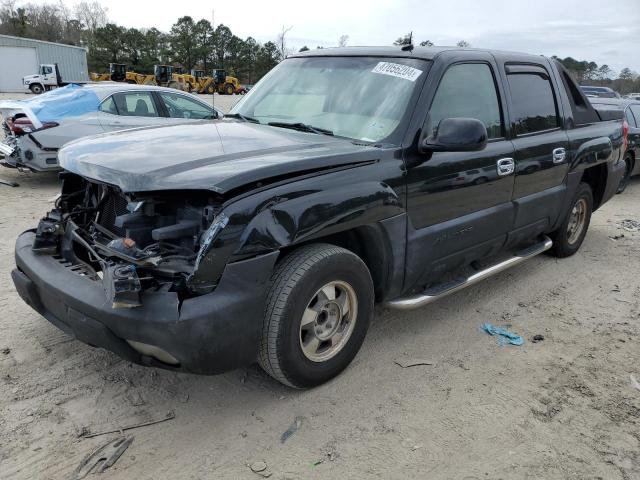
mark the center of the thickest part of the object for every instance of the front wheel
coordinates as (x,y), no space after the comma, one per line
(36,89)
(229,89)
(569,237)
(628,167)
(318,310)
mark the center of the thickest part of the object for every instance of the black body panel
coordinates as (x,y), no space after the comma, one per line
(413,216)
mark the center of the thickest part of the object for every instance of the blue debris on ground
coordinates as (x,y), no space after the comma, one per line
(505,335)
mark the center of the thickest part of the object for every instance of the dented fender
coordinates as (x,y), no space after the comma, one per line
(304,209)
(291,221)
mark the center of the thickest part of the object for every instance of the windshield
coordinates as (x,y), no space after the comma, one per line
(361,98)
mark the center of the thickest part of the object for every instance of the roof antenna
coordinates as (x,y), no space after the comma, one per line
(408,47)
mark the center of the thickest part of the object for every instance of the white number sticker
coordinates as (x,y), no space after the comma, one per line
(397,70)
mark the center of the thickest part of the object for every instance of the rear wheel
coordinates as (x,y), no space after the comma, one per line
(36,89)
(628,167)
(569,237)
(318,311)
(229,89)
(211,90)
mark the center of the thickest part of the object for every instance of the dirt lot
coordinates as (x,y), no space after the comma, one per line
(561,408)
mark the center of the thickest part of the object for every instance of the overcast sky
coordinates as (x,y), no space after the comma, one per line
(605,32)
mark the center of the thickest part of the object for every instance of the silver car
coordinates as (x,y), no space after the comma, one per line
(37,128)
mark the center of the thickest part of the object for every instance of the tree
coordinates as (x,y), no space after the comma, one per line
(204,41)
(183,42)
(626,74)
(404,40)
(342,41)
(304,49)
(604,73)
(463,44)
(267,58)
(221,39)
(282,41)
(109,45)
(189,43)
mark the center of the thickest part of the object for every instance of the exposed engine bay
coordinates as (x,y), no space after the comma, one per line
(132,243)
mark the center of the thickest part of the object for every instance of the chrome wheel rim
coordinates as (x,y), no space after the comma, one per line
(328,321)
(576,221)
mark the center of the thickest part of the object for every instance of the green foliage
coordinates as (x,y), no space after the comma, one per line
(190,44)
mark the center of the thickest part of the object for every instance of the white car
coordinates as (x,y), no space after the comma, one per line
(37,128)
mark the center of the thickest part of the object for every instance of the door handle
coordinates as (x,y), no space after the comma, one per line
(559,154)
(506,166)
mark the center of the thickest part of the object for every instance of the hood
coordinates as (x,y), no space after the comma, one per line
(216,156)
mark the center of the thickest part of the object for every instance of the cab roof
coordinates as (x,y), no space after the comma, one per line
(423,53)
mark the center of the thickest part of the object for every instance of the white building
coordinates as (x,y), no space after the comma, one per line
(23,56)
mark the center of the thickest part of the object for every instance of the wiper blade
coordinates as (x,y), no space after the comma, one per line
(303,127)
(244,118)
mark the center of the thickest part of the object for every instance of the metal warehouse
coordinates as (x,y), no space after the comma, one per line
(23,56)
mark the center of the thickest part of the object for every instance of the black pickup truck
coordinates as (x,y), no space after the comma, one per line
(345,177)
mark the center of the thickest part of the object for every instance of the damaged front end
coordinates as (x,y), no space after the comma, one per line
(132,243)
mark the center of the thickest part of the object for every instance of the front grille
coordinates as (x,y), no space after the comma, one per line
(115,205)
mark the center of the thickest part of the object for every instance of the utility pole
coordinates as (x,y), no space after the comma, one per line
(213,26)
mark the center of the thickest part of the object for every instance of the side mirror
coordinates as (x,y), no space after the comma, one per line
(455,135)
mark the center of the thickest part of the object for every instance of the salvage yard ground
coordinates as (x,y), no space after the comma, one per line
(564,407)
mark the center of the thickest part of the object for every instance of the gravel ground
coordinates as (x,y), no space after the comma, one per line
(562,408)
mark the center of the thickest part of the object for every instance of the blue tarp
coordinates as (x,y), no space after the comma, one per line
(70,101)
(505,335)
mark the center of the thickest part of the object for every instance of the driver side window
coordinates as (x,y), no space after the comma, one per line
(468,90)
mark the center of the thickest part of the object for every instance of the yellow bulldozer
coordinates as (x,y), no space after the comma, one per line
(219,82)
(172,77)
(118,73)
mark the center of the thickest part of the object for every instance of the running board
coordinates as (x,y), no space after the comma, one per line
(438,291)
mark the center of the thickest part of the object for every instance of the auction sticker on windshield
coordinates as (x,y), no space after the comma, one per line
(397,70)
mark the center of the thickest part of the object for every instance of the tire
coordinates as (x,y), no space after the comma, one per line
(229,89)
(211,90)
(568,238)
(294,354)
(628,168)
(36,89)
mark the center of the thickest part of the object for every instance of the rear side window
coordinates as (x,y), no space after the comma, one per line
(109,106)
(468,90)
(582,110)
(180,106)
(135,104)
(534,105)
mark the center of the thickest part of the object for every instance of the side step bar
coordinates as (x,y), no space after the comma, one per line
(438,291)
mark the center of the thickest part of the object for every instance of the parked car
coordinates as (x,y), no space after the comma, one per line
(269,235)
(37,128)
(604,92)
(633,96)
(631,109)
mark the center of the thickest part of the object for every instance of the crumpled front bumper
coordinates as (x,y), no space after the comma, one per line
(209,334)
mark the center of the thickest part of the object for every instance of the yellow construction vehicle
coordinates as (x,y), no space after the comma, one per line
(168,76)
(219,82)
(225,84)
(118,73)
(140,78)
(204,83)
